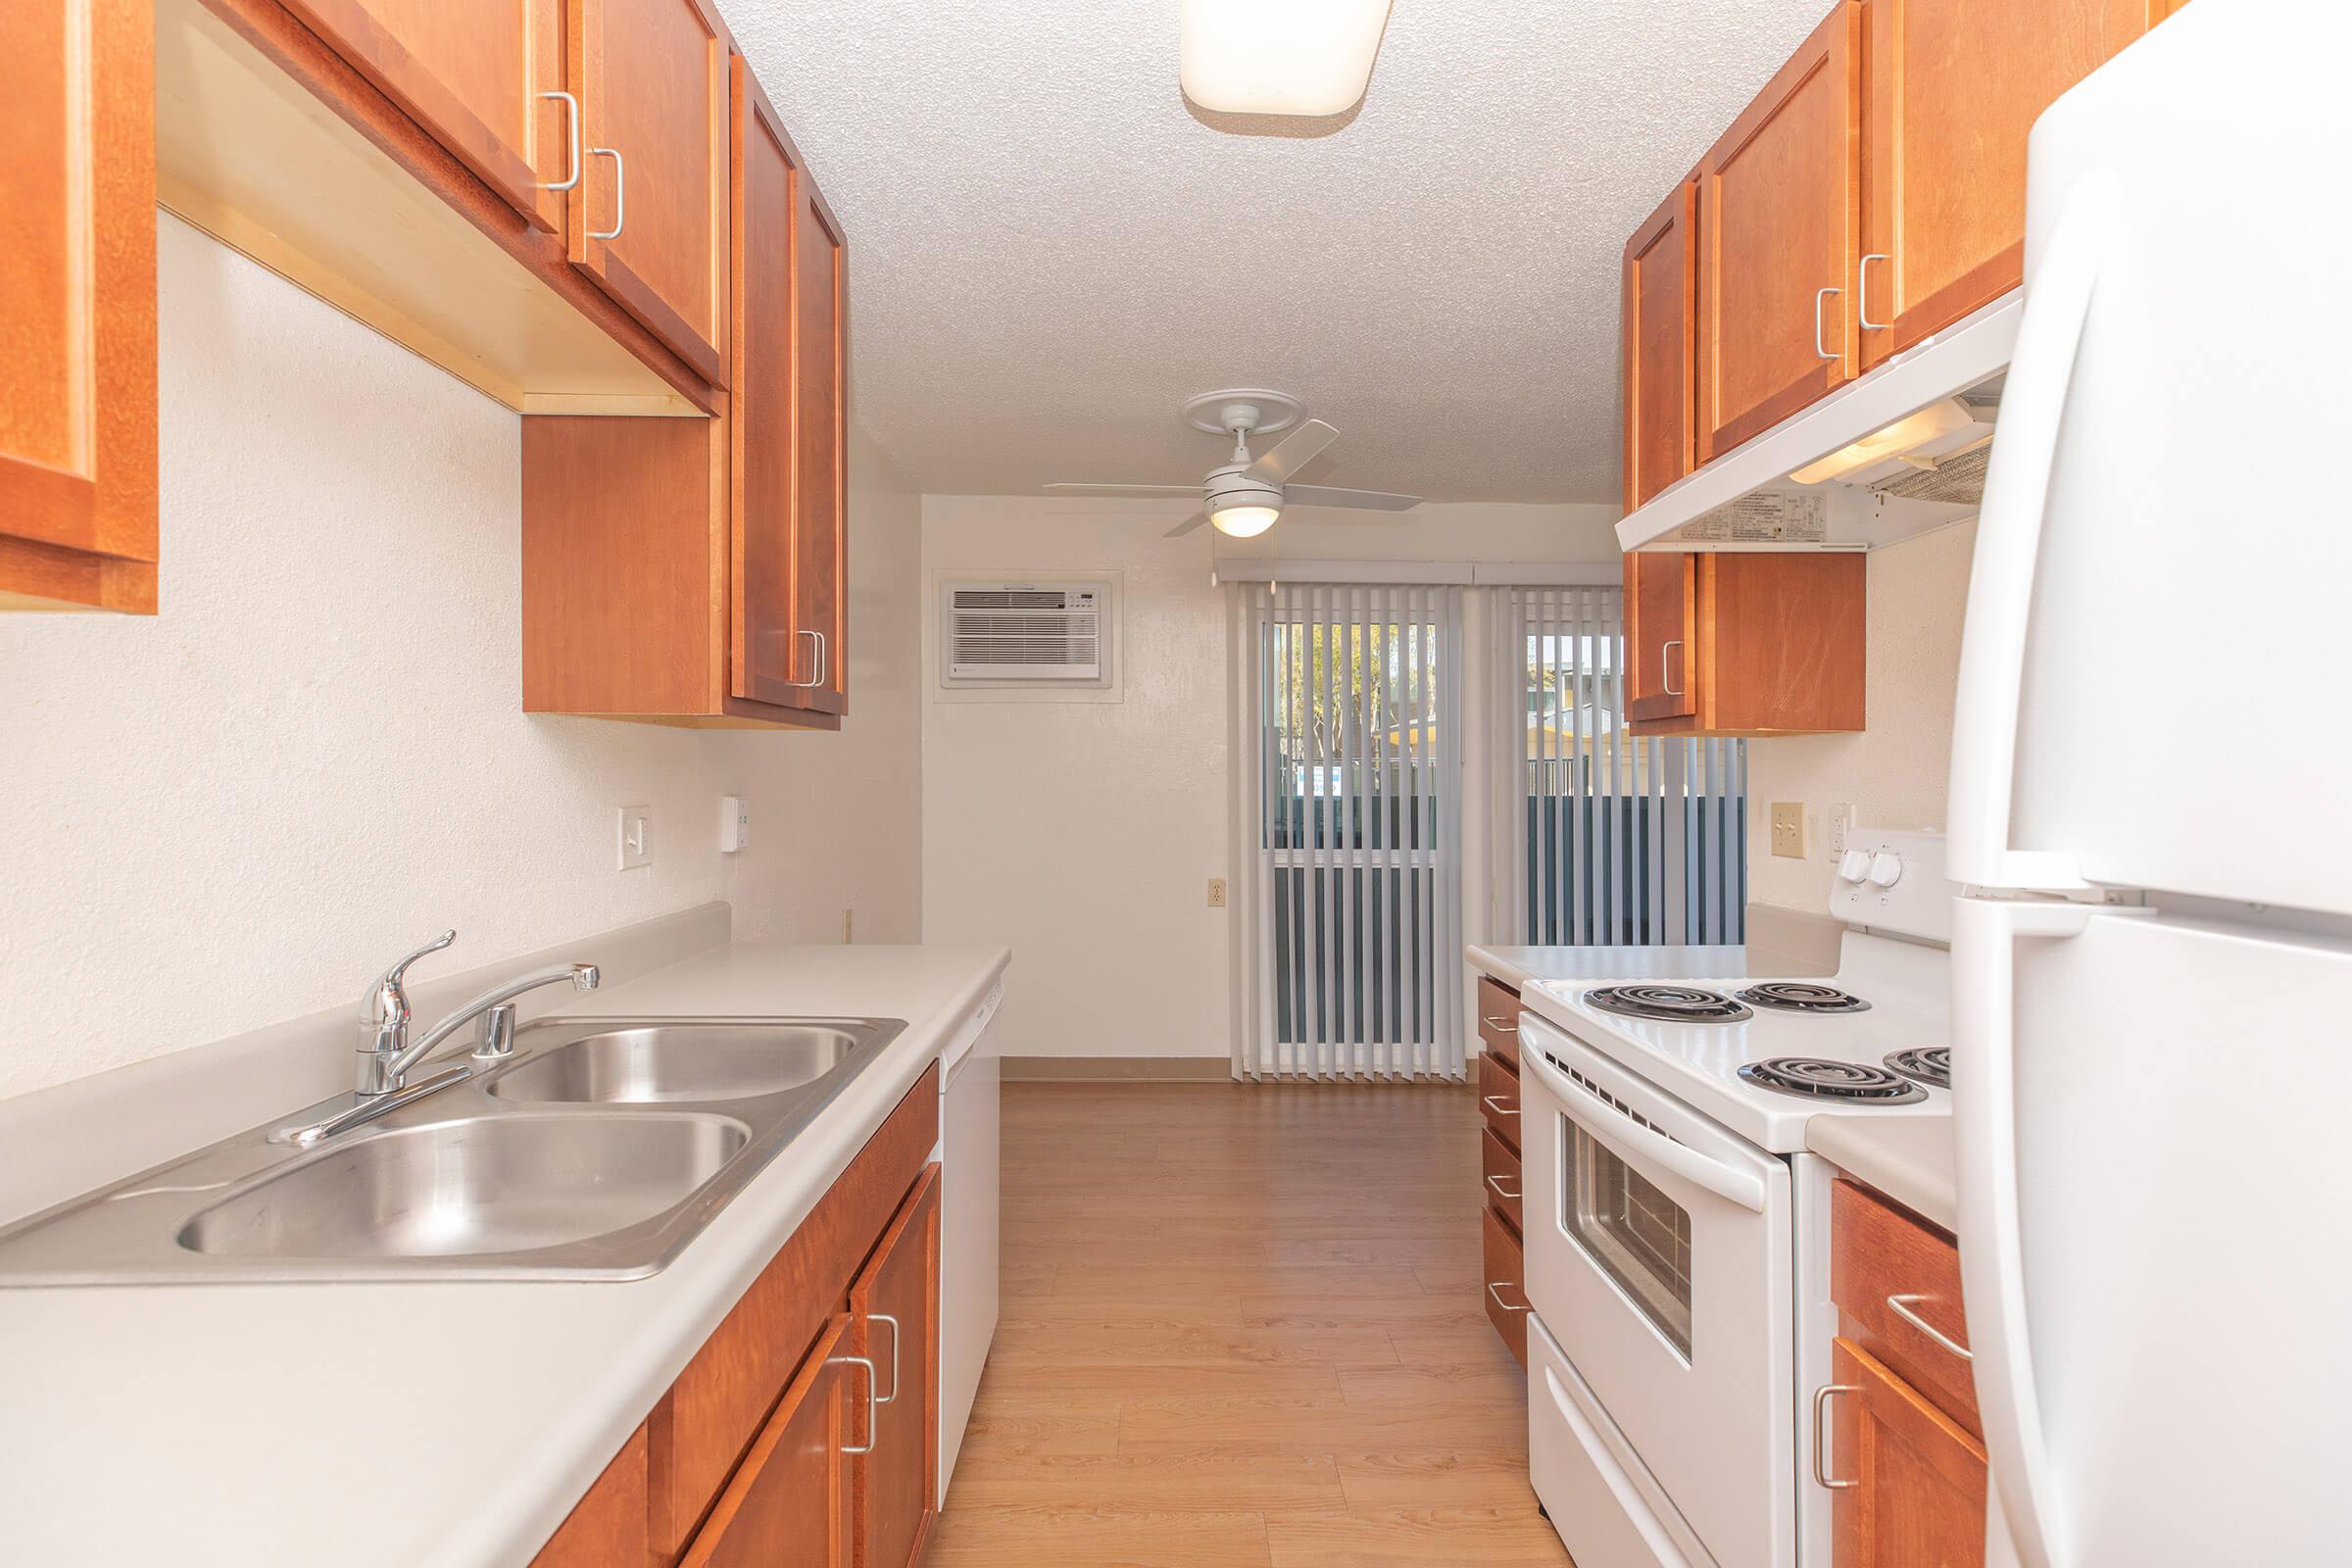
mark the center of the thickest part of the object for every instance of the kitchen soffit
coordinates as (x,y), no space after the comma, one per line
(1051,249)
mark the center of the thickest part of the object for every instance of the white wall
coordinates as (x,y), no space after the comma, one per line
(1083,834)
(1893,773)
(235,812)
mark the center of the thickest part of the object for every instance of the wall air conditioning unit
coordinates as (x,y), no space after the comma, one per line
(1024,634)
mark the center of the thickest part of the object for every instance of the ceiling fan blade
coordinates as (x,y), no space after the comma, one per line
(1316,495)
(1186,526)
(1114,490)
(1292,453)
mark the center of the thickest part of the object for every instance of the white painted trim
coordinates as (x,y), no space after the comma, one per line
(1550,574)
(1450,573)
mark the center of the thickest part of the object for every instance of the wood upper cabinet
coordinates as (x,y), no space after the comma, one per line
(77,444)
(1661,629)
(649,219)
(894,1307)
(790,434)
(1775,643)
(789,1503)
(1661,346)
(1954,87)
(1779,225)
(1915,1492)
(479,77)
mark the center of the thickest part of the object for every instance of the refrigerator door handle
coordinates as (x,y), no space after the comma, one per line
(1984,937)
(2059,288)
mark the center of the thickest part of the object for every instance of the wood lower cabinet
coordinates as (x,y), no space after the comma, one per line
(775,1446)
(894,1304)
(1774,643)
(649,219)
(483,77)
(78,433)
(790,622)
(1503,1281)
(789,1503)
(1661,346)
(1778,223)
(1917,1493)
(1954,87)
(1900,1446)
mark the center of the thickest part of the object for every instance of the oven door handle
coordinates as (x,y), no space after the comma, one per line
(1636,1144)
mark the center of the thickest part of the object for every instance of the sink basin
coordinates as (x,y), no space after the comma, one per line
(598,1153)
(658,1063)
(484,1185)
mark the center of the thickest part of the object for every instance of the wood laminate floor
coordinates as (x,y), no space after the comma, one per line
(1241,1326)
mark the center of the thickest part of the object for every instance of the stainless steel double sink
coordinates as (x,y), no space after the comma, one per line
(598,1152)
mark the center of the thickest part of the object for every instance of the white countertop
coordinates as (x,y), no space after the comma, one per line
(432,1422)
(1909,1158)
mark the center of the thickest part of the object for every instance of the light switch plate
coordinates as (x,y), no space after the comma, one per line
(1788,829)
(634,835)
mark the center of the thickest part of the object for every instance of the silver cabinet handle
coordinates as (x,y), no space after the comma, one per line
(819,680)
(885,1317)
(1821,1431)
(1498,1295)
(1901,1308)
(1496,1023)
(872,1414)
(1862,293)
(1496,1182)
(1497,1107)
(1665,663)
(1819,348)
(571,115)
(620,194)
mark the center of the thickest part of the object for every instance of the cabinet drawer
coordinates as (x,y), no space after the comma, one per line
(1506,1284)
(1499,1019)
(1502,1172)
(1498,1100)
(1897,1284)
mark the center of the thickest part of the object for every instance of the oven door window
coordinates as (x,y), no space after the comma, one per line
(1635,1232)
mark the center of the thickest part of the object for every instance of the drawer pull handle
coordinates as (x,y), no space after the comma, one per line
(872,1414)
(885,1317)
(1496,1182)
(1821,1432)
(1493,1291)
(1901,1308)
(1496,1023)
(1499,1108)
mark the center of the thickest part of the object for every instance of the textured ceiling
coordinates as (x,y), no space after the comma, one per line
(1050,249)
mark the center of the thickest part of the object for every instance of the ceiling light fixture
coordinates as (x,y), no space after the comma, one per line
(1244,522)
(1279,57)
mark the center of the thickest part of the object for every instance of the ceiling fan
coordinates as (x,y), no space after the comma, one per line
(1244,496)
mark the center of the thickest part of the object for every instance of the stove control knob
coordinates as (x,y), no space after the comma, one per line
(1853,865)
(1885,868)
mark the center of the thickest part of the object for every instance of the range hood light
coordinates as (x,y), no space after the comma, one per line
(1911,431)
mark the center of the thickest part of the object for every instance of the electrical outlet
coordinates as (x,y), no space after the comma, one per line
(1841,817)
(1216,893)
(1788,829)
(734,824)
(635,837)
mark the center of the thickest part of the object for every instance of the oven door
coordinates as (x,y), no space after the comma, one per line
(1660,1254)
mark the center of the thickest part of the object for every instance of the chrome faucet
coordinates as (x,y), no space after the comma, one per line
(386,1052)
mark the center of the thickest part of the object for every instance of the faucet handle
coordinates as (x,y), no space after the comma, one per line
(385,1006)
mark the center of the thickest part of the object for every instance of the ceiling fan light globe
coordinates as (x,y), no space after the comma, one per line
(1244,522)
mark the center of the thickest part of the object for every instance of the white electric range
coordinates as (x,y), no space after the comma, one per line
(1678,1233)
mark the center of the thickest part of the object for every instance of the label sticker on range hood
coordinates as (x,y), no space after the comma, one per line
(1764,517)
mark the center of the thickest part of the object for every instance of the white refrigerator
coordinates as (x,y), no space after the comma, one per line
(2151,780)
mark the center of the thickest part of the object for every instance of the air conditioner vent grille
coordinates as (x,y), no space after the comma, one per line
(1025,633)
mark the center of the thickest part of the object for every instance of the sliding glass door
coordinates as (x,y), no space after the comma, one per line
(1352,907)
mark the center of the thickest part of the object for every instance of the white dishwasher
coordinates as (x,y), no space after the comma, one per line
(970,1071)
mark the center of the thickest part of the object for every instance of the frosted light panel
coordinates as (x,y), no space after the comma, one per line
(1280,57)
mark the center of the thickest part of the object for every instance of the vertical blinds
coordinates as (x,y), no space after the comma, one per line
(1601,837)
(1348,760)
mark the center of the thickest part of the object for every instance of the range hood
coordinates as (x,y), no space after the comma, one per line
(1898,452)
